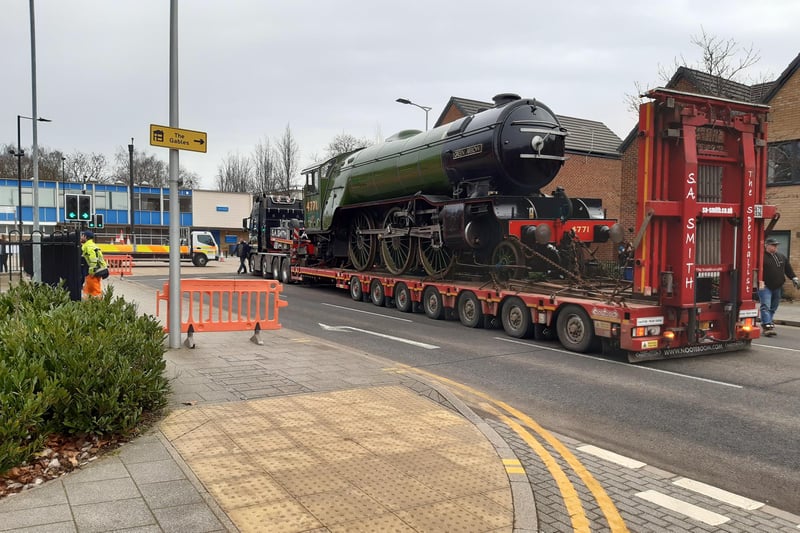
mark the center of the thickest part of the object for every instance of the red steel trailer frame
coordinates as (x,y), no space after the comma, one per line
(697,253)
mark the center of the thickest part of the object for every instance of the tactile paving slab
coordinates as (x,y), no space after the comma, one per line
(363,459)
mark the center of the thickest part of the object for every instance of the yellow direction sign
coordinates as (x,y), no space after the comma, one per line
(177,138)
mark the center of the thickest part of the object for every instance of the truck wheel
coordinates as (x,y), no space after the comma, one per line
(402,298)
(469,310)
(356,292)
(575,329)
(432,303)
(376,293)
(516,318)
(286,271)
(266,268)
(199,260)
(276,268)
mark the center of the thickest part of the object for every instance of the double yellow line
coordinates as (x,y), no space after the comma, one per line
(521,424)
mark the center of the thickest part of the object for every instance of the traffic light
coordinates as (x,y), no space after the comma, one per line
(84,207)
(71,206)
(90,224)
(98,221)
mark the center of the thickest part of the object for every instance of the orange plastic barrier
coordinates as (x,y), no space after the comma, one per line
(119,264)
(226,305)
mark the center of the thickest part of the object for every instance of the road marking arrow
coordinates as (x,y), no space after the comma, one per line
(376,334)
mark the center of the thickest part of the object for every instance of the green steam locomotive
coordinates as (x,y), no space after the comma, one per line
(466,193)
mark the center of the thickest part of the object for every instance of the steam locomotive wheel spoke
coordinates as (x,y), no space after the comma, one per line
(436,260)
(398,249)
(508,254)
(361,248)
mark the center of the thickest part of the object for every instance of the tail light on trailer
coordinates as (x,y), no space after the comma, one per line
(646,331)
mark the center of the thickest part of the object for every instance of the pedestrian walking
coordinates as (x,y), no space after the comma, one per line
(776,270)
(3,254)
(243,251)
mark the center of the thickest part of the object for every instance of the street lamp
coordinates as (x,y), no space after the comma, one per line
(130,172)
(423,107)
(19,154)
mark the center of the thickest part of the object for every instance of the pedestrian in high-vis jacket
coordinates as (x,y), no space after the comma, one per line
(93,258)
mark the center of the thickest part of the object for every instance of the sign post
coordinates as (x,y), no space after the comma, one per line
(177,139)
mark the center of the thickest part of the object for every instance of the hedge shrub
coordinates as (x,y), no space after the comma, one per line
(90,367)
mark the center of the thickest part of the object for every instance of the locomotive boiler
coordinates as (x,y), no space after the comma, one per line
(466,193)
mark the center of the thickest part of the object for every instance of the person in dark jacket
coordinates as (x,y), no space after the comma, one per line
(243,251)
(776,270)
(3,254)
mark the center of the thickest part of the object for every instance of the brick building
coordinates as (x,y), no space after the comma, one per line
(783,135)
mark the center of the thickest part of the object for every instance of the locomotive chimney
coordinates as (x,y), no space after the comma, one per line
(504,98)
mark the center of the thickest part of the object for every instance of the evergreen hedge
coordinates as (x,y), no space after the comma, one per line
(90,367)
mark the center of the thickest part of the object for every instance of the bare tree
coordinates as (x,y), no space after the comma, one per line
(147,170)
(722,58)
(288,155)
(187,179)
(343,143)
(265,167)
(49,163)
(82,167)
(235,174)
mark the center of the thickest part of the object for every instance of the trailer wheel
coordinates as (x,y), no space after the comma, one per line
(199,260)
(376,293)
(266,268)
(432,303)
(286,271)
(470,312)
(575,329)
(276,268)
(516,318)
(402,298)
(356,291)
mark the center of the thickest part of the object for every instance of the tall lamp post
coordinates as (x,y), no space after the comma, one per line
(19,154)
(130,171)
(423,107)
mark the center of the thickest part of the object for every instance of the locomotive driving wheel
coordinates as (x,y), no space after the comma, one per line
(361,246)
(508,253)
(398,248)
(435,258)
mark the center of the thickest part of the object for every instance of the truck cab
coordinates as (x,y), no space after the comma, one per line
(204,247)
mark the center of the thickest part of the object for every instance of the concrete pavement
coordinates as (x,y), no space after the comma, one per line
(295,435)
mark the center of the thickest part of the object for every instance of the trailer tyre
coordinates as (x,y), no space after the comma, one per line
(356,291)
(199,260)
(470,312)
(432,303)
(575,329)
(516,318)
(276,268)
(402,298)
(376,293)
(266,268)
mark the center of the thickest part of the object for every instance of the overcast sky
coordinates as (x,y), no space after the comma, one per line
(247,68)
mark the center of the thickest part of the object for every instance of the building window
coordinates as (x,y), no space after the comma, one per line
(784,163)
